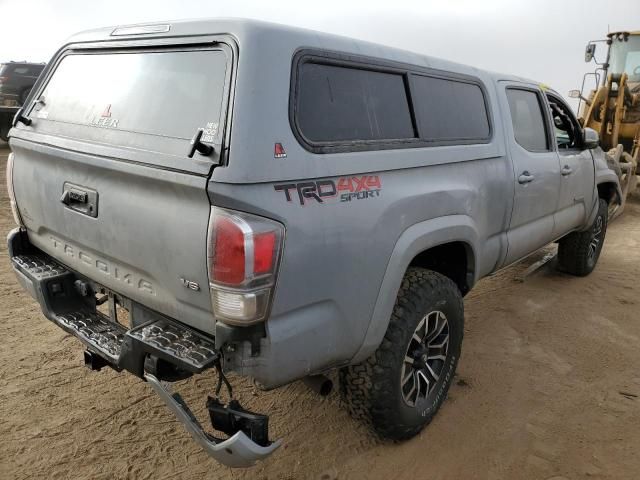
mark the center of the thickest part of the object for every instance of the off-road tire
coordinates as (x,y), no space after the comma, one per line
(372,389)
(574,255)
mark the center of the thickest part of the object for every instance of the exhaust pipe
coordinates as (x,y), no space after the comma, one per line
(319,384)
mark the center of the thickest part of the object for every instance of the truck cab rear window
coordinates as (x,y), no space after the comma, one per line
(337,104)
(161,95)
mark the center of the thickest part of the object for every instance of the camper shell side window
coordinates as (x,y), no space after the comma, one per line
(345,103)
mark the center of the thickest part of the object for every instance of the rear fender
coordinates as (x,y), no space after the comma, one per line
(414,240)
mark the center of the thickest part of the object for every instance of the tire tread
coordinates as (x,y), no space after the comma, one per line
(573,250)
(367,388)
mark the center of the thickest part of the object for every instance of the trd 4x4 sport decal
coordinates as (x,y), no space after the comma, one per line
(347,188)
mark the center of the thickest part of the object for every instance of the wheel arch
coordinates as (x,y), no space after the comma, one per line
(610,191)
(424,244)
(607,188)
(455,260)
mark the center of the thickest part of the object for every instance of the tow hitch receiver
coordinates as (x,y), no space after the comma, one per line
(248,431)
(93,361)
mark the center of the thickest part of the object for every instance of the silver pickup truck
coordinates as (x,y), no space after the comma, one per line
(230,195)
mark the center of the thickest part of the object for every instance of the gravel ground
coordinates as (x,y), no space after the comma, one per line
(548,387)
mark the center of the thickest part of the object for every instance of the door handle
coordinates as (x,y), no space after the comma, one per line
(566,170)
(525,177)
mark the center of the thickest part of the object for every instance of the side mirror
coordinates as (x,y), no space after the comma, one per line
(589,52)
(574,94)
(591,138)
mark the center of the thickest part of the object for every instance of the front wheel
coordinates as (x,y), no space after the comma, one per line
(399,389)
(579,252)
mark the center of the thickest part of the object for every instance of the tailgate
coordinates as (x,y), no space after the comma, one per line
(102,177)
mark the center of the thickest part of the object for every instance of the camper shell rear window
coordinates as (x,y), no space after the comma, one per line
(150,99)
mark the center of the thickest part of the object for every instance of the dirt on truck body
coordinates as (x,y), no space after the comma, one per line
(547,387)
(303,205)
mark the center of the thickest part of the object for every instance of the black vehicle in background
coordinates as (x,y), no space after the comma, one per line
(16,81)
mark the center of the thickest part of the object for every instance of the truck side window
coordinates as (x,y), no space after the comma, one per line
(527,116)
(566,127)
(343,104)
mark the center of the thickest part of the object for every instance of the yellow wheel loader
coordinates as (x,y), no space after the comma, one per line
(612,107)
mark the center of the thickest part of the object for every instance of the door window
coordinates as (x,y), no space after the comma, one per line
(527,116)
(566,128)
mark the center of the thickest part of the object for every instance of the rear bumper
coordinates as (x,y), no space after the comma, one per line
(57,290)
(236,451)
(65,302)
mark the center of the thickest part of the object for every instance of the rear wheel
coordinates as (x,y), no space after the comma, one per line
(399,389)
(578,252)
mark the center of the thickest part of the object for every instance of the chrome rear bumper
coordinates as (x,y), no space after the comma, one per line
(236,451)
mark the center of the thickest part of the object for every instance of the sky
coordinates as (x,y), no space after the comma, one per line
(543,40)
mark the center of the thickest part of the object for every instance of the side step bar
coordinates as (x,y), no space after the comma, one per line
(236,451)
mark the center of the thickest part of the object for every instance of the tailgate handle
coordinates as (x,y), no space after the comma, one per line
(74,196)
(80,199)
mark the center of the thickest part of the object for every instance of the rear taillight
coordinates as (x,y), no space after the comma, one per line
(243,251)
(3,79)
(12,195)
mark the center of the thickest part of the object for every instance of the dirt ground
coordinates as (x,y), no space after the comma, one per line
(548,388)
